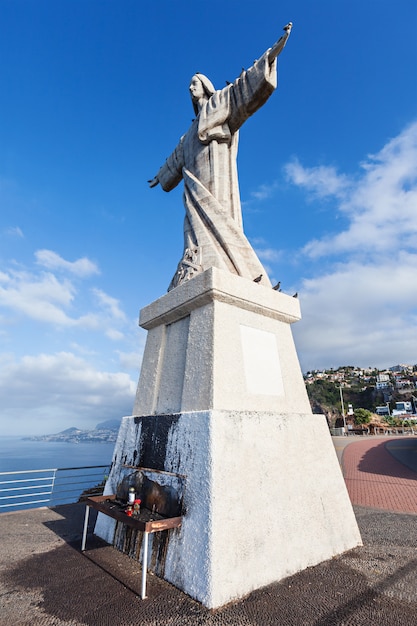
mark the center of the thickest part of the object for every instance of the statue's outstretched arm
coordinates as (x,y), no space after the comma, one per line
(278,47)
(154,182)
(170,174)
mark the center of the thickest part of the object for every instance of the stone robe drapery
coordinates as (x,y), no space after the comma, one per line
(205,159)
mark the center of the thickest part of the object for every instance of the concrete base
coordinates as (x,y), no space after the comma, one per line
(264,498)
(221,400)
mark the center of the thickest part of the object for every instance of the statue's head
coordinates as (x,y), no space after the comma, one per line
(201,88)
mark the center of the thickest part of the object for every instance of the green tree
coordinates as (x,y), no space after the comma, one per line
(362,416)
(324,395)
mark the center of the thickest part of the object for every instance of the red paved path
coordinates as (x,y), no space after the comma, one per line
(374,478)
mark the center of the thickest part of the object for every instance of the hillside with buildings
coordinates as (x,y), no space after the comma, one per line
(389,393)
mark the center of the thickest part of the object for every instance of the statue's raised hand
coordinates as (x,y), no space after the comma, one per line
(154,182)
(279,46)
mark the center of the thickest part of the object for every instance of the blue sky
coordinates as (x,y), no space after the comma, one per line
(95,97)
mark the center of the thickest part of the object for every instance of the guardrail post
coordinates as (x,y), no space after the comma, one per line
(144,564)
(87,511)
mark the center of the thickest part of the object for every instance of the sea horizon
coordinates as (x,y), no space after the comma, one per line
(18,452)
(23,455)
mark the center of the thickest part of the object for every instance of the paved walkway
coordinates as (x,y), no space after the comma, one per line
(46,581)
(376,477)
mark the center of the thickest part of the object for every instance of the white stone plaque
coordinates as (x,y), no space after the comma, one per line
(261,362)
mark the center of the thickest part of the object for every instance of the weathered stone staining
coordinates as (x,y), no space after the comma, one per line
(221,402)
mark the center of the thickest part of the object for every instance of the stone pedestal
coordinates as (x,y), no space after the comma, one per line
(221,400)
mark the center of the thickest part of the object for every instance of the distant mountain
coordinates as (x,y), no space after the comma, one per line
(70,431)
(106,432)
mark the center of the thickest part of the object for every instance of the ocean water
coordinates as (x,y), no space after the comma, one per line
(19,454)
(28,490)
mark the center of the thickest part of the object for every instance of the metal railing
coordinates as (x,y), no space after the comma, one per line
(26,489)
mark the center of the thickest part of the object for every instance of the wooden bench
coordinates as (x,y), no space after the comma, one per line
(147,522)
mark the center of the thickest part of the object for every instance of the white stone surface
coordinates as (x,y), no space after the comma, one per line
(264,496)
(261,362)
(218,321)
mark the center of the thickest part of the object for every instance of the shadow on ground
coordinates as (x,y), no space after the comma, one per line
(390,459)
(404,451)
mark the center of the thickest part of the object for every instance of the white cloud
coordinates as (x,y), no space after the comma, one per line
(321,181)
(360,315)
(15,231)
(41,297)
(110,304)
(53,261)
(81,349)
(130,360)
(44,298)
(269,254)
(49,299)
(47,390)
(360,308)
(63,386)
(114,334)
(380,205)
(264,251)
(264,191)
